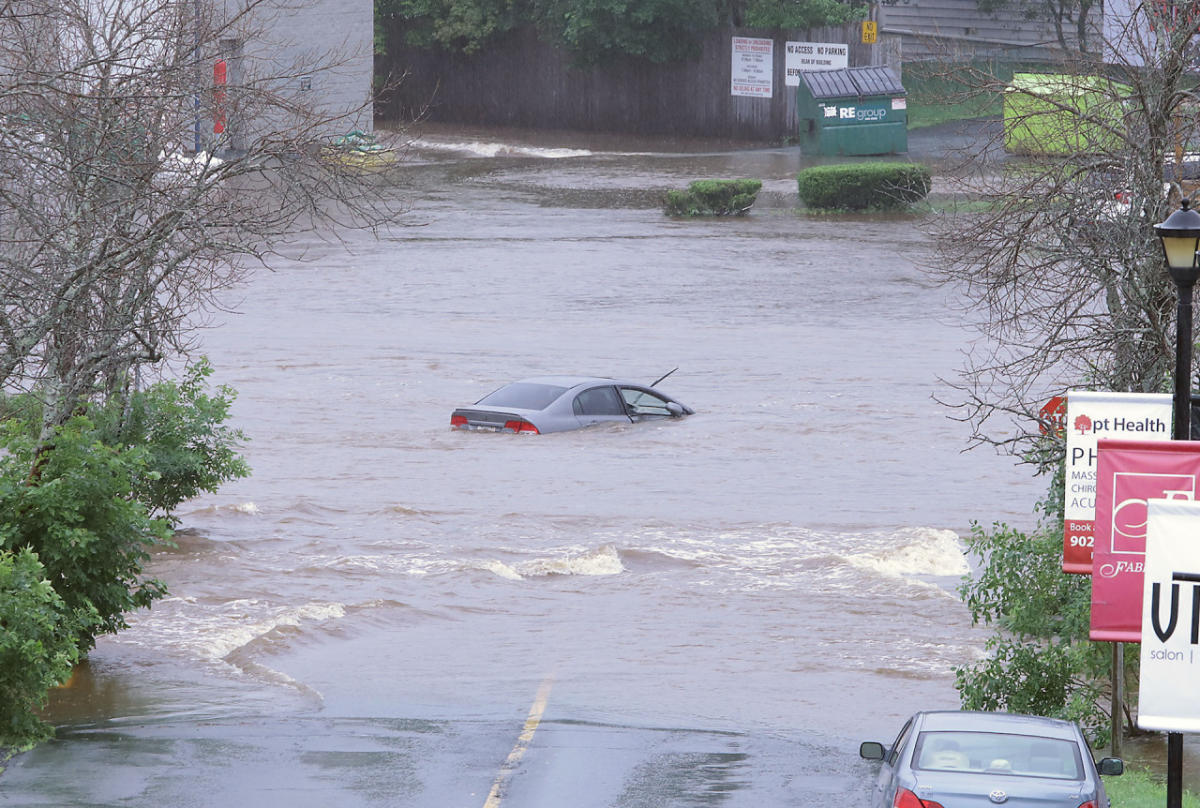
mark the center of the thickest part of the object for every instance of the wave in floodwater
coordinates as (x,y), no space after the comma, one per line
(601,561)
(407,582)
(476,148)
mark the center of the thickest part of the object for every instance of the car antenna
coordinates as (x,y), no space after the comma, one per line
(665,375)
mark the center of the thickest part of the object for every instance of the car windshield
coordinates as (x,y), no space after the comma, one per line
(1000,753)
(642,402)
(524,395)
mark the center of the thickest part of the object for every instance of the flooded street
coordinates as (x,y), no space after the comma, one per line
(703,612)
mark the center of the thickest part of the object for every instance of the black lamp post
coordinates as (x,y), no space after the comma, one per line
(1180,236)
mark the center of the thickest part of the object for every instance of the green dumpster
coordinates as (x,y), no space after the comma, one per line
(852,111)
(1052,114)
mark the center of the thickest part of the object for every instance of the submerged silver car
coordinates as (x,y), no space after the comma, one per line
(959,759)
(558,403)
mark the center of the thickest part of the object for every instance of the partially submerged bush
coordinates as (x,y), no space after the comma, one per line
(862,186)
(714,198)
(37,648)
(78,513)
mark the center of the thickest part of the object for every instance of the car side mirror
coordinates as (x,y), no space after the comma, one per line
(871,750)
(675,409)
(1111,766)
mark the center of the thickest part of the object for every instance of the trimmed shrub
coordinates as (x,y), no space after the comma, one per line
(713,198)
(863,186)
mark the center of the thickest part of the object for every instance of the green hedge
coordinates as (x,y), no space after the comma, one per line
(862,186)
(713,198)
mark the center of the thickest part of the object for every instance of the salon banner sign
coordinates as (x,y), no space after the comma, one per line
(1170,656)
(1129,474)
(1090,417)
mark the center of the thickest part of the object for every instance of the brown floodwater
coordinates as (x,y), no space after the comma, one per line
(724,605)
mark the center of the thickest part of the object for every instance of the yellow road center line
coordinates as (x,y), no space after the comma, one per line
(523,741)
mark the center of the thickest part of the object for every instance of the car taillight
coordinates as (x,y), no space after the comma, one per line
(458,420)
(907,799)
(521,426)
(1088,804)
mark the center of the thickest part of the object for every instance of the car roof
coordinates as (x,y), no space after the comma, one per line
(997,722)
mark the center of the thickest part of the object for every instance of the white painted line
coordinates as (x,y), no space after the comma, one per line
(518,751)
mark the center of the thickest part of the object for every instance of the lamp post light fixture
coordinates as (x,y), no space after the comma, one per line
(1180,236)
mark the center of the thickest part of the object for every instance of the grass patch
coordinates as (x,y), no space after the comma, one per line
(1137,788)
(938,94)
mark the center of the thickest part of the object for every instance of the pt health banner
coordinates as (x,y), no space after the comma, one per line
(1090,417)
(1128,475)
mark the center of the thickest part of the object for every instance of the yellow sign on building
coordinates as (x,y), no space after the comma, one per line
(870,32)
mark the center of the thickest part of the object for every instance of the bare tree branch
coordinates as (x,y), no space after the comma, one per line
(137,184)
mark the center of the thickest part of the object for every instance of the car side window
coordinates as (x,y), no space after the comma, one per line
(894,753)
(642,402)
(598,401)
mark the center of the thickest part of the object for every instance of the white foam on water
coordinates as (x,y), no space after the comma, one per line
(501,570)
(390,563)
(926,552)
(476,148)
(788,557)
(243,508)
(604,560)
(212,633)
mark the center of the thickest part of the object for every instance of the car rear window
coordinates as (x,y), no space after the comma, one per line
(998,753)
(523,395)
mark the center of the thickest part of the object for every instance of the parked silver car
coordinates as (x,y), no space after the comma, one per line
(558,403)
(964,759)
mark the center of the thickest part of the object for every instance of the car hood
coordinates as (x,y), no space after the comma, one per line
(970,790)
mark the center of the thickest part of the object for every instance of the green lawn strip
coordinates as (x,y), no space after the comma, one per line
(1138,788)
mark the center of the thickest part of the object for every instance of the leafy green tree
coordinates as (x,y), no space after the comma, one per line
(104,488)
(81,518)
(597,31)
(1068,289)
(37,647)
(76,532)
(1040,660)
(182,428)
(463,25)
(801,13)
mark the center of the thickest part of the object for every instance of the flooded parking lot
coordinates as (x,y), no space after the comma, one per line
(711,611)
